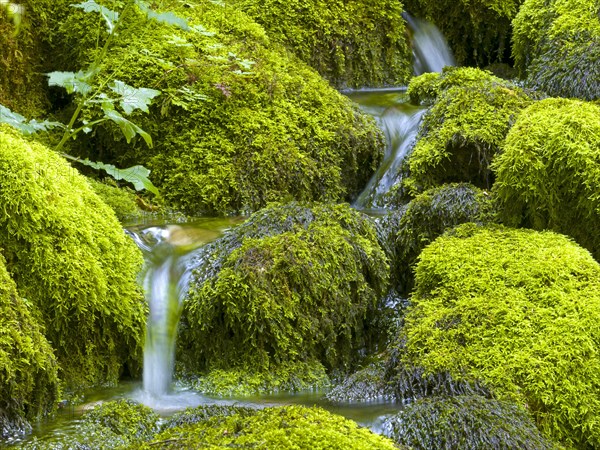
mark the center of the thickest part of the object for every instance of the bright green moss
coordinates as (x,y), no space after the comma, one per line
(548,174)
(295,284)
(424,89)
(121,200)
(518,310)
(465,422)
(290,427)
(464,128)
(556,45)
(351,43)
(70,257)
(28,375)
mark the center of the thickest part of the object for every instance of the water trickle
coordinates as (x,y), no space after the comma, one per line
(430,49)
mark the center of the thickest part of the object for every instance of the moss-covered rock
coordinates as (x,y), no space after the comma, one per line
(351,43)
(556,46)
(518,310)
(549,171)
(28,369)
(204,413)
(465,422)
(240,121)
(272,428)
(70,257)
(461,133)
(295,284)
(366,385)
(477,31)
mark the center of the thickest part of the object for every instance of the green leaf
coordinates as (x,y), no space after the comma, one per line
(71,81)
(111,17)
(133,98)
(19,122)
(167,18)
(128,128)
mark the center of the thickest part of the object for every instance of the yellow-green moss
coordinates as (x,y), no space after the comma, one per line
(70,257)
(122,200)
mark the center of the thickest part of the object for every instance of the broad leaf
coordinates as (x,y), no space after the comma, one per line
(111,17)
(128,128)
(133,98)
(71,81)
(167,18)
(19,122)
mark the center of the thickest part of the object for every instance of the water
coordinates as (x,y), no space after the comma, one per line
(430,49)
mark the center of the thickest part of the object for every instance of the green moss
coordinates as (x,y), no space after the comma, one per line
(295,284)
(270,428)
(204,413)
(352,44)
(549,170)
(366,385)
(556,45)
(478,31)
(464,128)
(466,422)
(122,201)
(70,257)
(424,89)
(519,311)
(28,375)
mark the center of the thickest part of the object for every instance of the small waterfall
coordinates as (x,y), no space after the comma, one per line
(430,49)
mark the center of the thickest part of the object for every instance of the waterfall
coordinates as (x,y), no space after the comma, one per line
(430,49)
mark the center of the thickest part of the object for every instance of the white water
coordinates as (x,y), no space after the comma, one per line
(430,49)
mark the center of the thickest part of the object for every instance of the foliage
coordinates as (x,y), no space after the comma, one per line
(295,284)
(28,379)
(556,45)
(549,171)
(270,428)
(69,256)
(121,200)
(465,422)
(463,130)
(125,418)
(424,89)
(477,31)
(366,385)
(352,44)
(518,310)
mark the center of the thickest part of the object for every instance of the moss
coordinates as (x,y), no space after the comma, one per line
(240,122)
(70,257)
(467,25)
(556,46)
(29,385)
(518,310)
(295,284)
(464,128)
(204,413)
(424,89)
(549,171)
(122,201)
(284,427)
(366,385)
(351,44)
(466,422)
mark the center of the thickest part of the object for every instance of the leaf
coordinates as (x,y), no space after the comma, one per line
(168,18)
(111,17)
(19,122)
(133,98)
(71,81)
(128,128)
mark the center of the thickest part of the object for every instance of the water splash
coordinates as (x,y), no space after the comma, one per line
(430,49)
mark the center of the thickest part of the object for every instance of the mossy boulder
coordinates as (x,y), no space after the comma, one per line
(29,385)
(122,201)
(459,136)
(296,285)
(350,43)
(518,311)
(548,174)
(71,259)
(271,428)
(240,122)
(465,422)
(478,32)
(556,46)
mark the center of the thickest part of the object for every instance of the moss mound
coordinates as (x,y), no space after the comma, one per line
(270,428)
(466,422)
(464,128)
(70,257)
(122,201)
(204,413)
(352,44)
(467,25)
(28,379)
(549,171)
(295,284)
(519,311)
(556,45)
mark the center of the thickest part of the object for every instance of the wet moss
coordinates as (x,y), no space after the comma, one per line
(352,44)
(518,311)
(70,257)
(365,385)
(549,170)
(122,201)
(204,413)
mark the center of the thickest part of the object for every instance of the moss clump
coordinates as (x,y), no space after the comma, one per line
(466,422)
(70,257)
(519,311)
(556,45)
(204,413)
(463,130)
(366,385)
(352,44)
(28,375)
(467,25)
(295,284)
(122,201)
(240,121)
(549,172)
(270,428)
